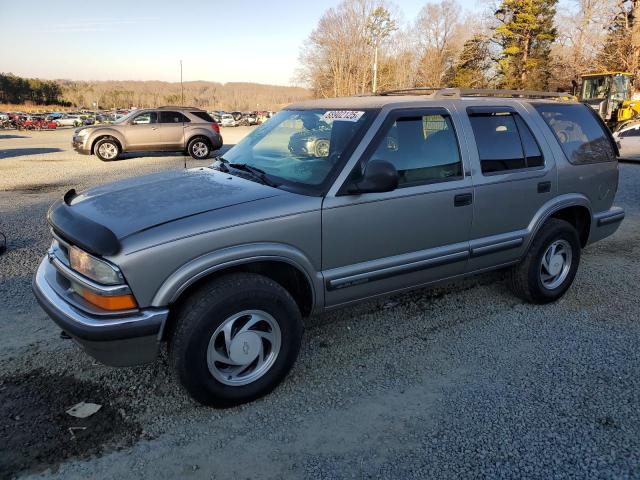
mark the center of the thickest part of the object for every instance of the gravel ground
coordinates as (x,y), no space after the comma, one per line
(461,381)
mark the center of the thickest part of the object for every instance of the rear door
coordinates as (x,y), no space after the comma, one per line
(375,243)
(514,175)
(172,127)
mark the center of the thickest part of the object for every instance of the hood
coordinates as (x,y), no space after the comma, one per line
(130,206)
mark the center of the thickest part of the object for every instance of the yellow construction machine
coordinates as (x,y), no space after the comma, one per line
(610,95)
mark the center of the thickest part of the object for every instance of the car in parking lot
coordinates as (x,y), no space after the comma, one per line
(227,120)
(157,129)
(69,121)
(628,139)
(222,263)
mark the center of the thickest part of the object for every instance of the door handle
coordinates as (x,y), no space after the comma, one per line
(462,199)
(544,187)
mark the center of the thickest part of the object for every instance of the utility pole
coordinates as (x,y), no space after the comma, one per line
(375,68)
(181,86)
(379,27)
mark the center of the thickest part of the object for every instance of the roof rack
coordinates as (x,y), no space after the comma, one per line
(186,107)
(440,92)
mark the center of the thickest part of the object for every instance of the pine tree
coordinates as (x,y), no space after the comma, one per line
(473,66)
(525,34)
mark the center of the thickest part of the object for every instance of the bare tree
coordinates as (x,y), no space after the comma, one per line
(440,33)
(582,28)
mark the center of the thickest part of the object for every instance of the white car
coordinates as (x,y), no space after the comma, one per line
(69,121)
(3,117)
(227,120)
(628,139)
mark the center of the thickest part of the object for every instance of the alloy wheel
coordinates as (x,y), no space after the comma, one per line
(244,347)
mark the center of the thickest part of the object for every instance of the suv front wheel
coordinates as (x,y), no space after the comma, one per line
(199,148)
(548,269)
(235,339)
(107,149)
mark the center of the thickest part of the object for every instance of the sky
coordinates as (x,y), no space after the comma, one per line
(222,41)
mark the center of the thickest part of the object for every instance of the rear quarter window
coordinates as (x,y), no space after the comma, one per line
(583,138)
(203,116)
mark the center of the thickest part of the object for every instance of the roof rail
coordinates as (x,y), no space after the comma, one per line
(441,92)
(186,107)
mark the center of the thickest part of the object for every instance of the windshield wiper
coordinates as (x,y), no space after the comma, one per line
(220,163)
(255,172)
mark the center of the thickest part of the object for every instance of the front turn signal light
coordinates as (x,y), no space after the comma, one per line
(117,302)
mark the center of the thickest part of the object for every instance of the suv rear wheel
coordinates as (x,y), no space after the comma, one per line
(235,339)
(106,149)
(550,266)
(199,148)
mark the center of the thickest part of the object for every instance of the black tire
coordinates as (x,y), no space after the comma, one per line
(199,148)
(205,310)
(111,144)
(525,280)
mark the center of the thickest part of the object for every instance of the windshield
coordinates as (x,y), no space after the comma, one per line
(620,87)
(125,118)
(595,88)
(299,147)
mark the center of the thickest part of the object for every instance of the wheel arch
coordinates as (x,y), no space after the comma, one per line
(103,135)
(269,259)
(283,271)
(572,208)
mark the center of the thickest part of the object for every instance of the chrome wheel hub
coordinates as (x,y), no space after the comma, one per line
(108,150)
(244,347)
(200,149)
(556,264)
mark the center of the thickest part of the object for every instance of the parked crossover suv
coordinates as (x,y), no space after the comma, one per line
(161,129)
(222,263)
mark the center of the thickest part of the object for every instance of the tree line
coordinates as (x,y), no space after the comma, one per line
(363,45)
(233,96)
(18,90)
(236,96)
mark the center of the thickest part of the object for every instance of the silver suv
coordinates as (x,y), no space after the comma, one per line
(160,129)
(222,263)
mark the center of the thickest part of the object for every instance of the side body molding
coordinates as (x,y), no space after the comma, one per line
(204,265)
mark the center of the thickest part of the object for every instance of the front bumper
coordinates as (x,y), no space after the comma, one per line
(130,339)
(79,144)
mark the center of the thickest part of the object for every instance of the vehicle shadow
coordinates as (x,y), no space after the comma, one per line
(10,137)
(21,152)
(187,157)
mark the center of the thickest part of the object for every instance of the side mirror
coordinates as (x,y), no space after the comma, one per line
(378,176)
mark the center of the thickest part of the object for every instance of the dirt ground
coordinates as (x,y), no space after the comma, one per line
(462,381)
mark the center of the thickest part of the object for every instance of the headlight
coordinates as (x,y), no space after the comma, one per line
(93,268)
(83,133)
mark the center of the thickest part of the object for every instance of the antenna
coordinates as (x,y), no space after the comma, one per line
(182,104)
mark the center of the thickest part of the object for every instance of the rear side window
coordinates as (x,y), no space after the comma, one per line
(504,142)
(203,116)
(582,137)
(633,132)
(173,117)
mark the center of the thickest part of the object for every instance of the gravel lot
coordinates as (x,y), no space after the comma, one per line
(458,382)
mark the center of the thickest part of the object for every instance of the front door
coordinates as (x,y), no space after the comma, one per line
(143,133)
(377,243)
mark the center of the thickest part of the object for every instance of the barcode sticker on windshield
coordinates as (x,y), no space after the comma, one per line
(344,115)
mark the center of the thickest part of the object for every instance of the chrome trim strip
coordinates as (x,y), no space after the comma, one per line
(496,247)
(614,215)
(72,275)
(396,270)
